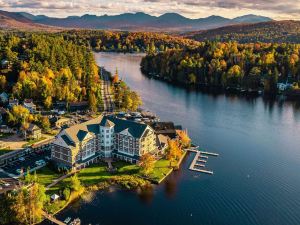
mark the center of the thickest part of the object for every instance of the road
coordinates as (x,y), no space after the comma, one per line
(108,102)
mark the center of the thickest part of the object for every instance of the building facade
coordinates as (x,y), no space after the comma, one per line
(103,137)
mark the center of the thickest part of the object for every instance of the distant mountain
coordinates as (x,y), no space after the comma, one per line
(251,19)
(143,22)
(270,32)
(11,20)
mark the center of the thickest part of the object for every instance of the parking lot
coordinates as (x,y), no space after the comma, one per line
(27,161)
(7,183)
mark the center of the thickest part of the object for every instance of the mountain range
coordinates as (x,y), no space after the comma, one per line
(287,31)
(128,21)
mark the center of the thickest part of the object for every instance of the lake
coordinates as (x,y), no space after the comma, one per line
(256,177)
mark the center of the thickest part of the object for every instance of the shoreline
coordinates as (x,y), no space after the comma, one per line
(103,186)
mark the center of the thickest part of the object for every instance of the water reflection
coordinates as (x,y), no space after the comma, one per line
(258,137)
(146,195)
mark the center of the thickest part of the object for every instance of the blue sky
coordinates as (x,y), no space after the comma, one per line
(277,9)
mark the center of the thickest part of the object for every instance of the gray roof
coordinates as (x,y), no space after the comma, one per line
(134,128)
(33,127)
(78,132)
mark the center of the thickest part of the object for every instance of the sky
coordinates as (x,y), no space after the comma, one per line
(276,9)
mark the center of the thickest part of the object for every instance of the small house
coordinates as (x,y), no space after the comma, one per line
(34,132)
(165,128)
(13,102)
(7,130)
(4,98)
(62,122)
(54,197)
(60,106)
(79,106)
(283,86)
(162,142)
(5,64)
(28,104)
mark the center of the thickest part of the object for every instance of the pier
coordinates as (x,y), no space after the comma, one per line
(198,162)
(209,153)
(201,160)
(53,219)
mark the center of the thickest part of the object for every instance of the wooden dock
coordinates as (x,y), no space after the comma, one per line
(194,165)
(203,171)
(199,165)
(53,219)
(201,160)
(209,153)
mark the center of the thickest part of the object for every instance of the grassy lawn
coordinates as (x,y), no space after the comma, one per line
(161,168)
(98,173)
(46,176)
(92,175)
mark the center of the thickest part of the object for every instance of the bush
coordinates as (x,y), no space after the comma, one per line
(66,193)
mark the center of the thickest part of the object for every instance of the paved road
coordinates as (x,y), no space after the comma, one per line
(108,102)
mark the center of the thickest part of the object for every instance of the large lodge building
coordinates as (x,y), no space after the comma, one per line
(104,137)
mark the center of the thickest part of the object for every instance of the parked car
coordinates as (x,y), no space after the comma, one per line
(21,159)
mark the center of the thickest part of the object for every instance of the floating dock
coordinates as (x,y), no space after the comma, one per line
(209,153)
(199,165)
(201,160)
(198,162)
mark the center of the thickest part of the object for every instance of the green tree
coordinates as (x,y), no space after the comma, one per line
(75,183)
(67,193)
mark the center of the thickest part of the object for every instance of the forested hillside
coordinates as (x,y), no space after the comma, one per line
(268,32)
(229,64)
(127,41)
(47,67)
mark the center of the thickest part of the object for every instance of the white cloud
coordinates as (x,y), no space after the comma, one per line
(278,9)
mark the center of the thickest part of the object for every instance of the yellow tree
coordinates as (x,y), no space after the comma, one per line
(27,204)
(116,77)
(48,102)
(147,162)
(184,138)
(174,152)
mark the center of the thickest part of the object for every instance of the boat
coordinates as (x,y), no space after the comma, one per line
(67,220)
(77,221)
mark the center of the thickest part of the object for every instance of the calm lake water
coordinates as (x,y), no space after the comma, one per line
(256,180)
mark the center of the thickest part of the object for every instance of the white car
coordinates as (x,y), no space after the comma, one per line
(22,159)
(6,184)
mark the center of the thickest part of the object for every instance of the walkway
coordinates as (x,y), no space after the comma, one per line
(60,179)
(52,219)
